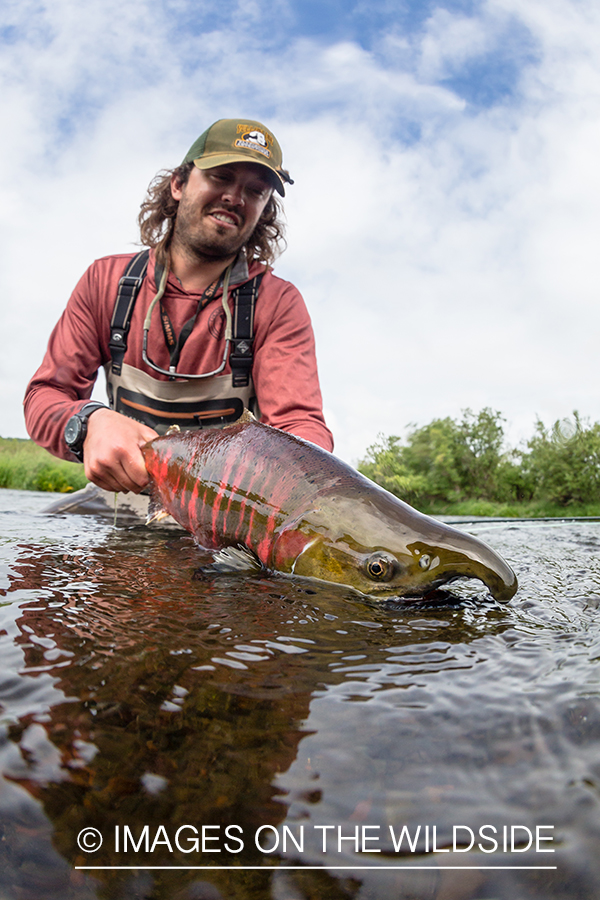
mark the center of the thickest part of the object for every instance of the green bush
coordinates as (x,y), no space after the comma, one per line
(463,466)
(563,463)
(384,465)
(444,462)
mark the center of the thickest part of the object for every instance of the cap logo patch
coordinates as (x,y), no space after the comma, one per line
(253,140)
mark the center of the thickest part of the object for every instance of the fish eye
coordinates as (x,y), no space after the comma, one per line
(381,566)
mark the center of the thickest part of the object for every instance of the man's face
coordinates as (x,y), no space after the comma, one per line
(219,208)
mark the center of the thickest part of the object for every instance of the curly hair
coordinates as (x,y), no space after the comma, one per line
(159,210)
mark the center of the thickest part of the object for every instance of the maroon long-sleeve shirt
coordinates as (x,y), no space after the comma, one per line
(284,370)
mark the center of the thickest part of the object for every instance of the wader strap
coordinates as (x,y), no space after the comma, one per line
(129,286)
(241,356)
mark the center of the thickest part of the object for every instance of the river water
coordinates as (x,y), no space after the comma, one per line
(256,738)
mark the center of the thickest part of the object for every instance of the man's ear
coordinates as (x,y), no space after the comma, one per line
(176,187)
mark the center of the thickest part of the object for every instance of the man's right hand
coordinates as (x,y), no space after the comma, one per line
(112,455)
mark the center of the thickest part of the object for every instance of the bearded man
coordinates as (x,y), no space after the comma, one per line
(190,331)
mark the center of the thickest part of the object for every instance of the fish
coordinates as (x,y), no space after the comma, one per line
(252,491)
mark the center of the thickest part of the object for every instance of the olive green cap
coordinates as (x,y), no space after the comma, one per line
(239,140)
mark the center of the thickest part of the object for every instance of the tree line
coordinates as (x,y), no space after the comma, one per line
(456,463)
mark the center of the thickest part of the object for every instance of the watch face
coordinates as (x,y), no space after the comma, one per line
(73,430)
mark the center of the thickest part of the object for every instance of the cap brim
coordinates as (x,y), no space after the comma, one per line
(211,160)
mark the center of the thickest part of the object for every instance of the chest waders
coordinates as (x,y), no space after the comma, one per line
(202,401)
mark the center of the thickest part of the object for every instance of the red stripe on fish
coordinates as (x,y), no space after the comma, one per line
(194,507)
(266,511)
(221,507)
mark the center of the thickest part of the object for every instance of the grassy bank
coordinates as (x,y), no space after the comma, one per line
(513,510)
(25,466)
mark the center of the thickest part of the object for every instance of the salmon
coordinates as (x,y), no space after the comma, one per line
(299,510)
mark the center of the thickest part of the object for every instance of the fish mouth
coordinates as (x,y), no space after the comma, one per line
(438,596)
(434,597)
(451,592)
(473,561)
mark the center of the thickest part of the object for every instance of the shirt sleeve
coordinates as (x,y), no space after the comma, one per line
(66,377)
(285,366)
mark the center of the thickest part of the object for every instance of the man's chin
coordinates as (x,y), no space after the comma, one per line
(214,250)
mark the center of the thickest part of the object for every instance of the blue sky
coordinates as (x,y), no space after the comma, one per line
(444,223)
(128,55)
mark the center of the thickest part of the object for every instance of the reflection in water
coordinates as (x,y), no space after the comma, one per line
(139,696)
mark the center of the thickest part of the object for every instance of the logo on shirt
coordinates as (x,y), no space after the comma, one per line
(216,324)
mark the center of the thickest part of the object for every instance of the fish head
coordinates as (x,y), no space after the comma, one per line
(386,550)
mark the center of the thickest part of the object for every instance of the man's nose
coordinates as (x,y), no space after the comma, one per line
(234,194)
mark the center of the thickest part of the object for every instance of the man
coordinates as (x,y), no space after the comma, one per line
(212,226)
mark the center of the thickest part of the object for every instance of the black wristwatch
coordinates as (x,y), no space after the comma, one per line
(76,428)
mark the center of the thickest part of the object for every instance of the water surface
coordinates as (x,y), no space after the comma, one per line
(145,698)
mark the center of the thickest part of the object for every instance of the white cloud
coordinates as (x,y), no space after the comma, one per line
(458,269)
(451,40)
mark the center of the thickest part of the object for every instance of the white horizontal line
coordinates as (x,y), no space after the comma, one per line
(303,868)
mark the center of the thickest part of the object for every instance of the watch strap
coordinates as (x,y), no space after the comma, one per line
(88,408)
(76,447)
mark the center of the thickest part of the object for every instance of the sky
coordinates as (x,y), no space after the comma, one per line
(444,223)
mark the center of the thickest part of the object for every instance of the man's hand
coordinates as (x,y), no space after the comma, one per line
(111,451)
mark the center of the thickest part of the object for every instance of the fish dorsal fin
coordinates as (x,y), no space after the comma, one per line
(173,429)
(245,418)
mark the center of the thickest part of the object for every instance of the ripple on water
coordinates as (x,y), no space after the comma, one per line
(135,691)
